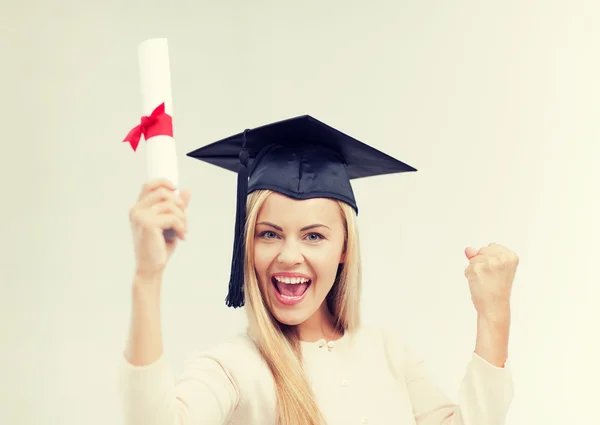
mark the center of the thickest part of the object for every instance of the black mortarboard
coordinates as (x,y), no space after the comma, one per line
(299,157)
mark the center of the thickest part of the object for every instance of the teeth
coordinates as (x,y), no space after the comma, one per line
(291,280)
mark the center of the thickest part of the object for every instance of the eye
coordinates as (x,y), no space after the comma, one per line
(267,234)
(314,237)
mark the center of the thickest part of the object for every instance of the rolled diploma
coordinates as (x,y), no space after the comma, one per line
(155,79)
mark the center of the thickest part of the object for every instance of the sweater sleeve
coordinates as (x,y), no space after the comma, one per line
(204,394)
(484,395)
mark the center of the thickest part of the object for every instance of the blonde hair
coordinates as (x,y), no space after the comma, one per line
(279,344)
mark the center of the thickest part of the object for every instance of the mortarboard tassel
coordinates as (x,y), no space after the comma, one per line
(235,296)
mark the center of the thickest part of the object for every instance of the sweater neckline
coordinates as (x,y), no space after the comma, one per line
(322,342)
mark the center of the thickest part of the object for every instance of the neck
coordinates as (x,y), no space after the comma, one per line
(319,325)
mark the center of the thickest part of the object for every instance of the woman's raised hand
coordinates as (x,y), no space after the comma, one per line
(157,209)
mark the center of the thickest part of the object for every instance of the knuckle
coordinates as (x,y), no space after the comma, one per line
(149,186)
(168,193)
(469,270)
(176,209)
(134,215)
(507,259)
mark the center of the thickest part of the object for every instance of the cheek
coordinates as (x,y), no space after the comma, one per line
(325,264)
(263,258)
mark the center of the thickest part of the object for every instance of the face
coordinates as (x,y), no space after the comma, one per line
(298,246)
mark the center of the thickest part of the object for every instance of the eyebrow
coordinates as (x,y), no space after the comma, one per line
(305,228)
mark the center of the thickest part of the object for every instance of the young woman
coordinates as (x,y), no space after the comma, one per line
(305,358)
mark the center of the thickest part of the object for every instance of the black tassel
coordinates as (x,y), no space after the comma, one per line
(235,296)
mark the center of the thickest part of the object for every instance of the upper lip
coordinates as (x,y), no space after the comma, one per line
(290,274)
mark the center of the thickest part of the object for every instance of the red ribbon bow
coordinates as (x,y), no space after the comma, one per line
(157,124)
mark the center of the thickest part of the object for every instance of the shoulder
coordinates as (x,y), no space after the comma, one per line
(240,358)
(232,370)
(236,352)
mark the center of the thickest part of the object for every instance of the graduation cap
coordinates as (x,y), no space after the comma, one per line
(299,157)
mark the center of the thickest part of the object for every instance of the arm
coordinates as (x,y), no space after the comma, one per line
(492,338)
(144,345)
(204,394)
(485,392)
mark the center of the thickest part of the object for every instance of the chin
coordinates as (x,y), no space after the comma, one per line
(290,318)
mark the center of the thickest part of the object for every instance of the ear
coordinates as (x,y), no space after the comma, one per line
(343,258)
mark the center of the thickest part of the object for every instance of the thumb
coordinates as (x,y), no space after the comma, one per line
(470,252)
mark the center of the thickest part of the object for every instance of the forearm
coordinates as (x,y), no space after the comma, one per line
(492,337)
(203,393)
(144,344)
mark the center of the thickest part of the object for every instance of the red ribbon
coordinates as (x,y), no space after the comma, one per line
(157,124)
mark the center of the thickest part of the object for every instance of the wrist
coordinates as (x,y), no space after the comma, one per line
(145,282)
(493,331)
(494,318)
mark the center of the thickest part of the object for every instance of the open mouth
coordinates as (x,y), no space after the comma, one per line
(290,289)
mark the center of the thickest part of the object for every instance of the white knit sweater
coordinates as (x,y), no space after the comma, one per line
(370,377)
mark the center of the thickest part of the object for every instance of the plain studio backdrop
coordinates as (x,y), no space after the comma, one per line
(495,104)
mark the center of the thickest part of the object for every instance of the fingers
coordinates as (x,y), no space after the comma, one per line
(161,194)
(158,207)
(478,259)
(169,207)
(468,271)
(475,255)
(163,216)
(155,184)
(491,249)
(171,221)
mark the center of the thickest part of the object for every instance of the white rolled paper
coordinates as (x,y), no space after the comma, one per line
(155,79)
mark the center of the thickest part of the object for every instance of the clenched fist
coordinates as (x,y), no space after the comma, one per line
(491,272)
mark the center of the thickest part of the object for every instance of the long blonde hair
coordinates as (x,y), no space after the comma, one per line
(279,344)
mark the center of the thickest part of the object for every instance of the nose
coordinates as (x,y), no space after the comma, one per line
(290,254)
